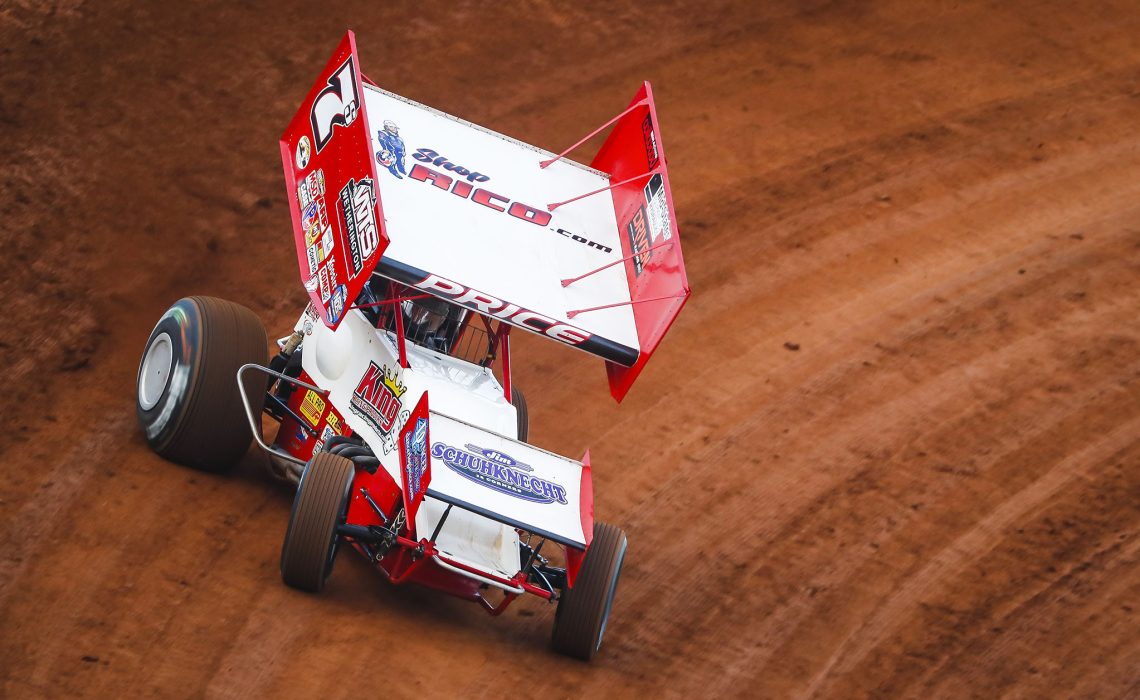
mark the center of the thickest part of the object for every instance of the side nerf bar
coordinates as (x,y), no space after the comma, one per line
(255,421)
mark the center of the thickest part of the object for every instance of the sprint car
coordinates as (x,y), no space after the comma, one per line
(422,241)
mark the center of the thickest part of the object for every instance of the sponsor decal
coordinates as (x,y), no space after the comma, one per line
(461,186)
(312,406)
(651,154)
(314,261)
(479,195)
(498,471)
(511,313)
(377,398)
(358,207)
(390,155)
(657,209)
(311,188)
(336,303)
(303,153)
(336,105)
(415,458)
(315,221)
(639,240)
(311,315)
(325,435)
(427,155)
(583,240)
(323,275)
(334,423)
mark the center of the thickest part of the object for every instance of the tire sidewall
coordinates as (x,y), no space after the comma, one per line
(182,323)
(615,579)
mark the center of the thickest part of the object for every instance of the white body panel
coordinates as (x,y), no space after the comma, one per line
(337,361)
(514,260)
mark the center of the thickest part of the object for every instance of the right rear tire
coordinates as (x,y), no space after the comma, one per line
(320,505)
(584,610)
(186,396)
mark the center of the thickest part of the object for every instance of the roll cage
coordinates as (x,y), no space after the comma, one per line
(461,333)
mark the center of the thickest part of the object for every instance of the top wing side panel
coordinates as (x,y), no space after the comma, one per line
(330,176)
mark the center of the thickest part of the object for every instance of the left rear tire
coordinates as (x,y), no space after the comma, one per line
(186,396)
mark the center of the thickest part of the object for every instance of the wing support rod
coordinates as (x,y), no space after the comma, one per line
(572,280)
(555,205)
(544,164)
(575,312)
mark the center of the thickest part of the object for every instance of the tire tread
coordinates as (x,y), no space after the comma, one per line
(312,523)
(582,608)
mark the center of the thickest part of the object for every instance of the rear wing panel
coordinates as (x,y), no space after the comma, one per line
(338,222)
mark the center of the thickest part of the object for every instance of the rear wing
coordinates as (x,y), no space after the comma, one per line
(499,478)
(589,256)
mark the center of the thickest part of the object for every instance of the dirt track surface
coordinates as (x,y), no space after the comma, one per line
(936,495)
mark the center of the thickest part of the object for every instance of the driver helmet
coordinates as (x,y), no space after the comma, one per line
(423,317)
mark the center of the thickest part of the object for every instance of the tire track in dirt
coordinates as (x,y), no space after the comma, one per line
(977,541)
(934,495)
(858,429)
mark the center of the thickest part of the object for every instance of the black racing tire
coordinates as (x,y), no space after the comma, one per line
(580,621)
(186,394)
(519,402)
(320,505)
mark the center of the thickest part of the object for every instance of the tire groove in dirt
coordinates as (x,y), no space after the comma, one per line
(984,535)
(792,600)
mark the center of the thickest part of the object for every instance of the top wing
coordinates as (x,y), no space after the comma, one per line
(588,256)
(466,211)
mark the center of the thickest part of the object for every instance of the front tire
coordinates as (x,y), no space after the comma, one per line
(320,505)
(584,610)
(186,396)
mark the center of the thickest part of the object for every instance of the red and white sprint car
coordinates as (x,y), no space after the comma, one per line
(422,240)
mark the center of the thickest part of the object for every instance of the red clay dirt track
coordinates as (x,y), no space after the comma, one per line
(936,495)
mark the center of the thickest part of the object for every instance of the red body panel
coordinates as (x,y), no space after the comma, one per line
(415,466)
(338,221)
(318,421)
(658,285)
(574,557)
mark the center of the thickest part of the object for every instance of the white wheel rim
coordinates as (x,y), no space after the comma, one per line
(155,371)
